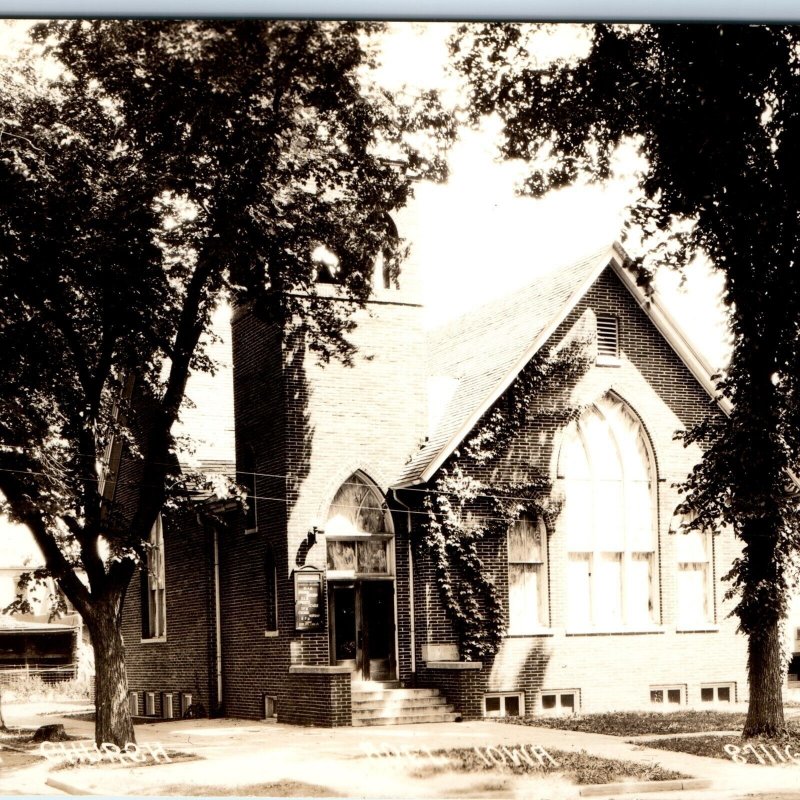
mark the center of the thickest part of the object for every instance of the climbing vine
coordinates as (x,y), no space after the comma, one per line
(469,501)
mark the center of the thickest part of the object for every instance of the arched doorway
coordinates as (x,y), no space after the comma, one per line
(360,570)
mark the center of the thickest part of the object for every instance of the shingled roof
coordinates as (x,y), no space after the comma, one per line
(485,349)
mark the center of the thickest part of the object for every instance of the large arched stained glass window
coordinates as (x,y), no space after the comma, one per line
(609,482)
(358,530)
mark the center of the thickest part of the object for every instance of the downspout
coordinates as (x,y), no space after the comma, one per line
(217,618)
(217,609)
(412,631)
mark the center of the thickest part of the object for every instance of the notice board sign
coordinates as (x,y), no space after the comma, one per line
(308,600)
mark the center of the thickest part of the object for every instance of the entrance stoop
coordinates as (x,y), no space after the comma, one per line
(386,704)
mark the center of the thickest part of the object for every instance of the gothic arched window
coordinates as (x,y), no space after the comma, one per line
(608,478)
(359,529)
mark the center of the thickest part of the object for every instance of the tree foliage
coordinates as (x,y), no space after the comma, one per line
(171,163)
(715,112)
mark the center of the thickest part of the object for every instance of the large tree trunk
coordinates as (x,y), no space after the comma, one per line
(766,676)
(113,722)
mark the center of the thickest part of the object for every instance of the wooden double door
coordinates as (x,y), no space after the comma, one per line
(362,627)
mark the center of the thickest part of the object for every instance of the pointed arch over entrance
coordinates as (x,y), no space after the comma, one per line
(359,541)
(608,475)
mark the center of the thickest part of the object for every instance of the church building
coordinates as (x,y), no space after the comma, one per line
(347,594)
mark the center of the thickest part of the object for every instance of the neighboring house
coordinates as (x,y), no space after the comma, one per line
(43,641)
(323,591)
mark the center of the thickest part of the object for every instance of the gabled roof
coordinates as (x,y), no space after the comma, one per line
(487,348)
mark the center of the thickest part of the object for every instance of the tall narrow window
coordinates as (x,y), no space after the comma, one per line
(271,589)
(527,579)
(695,599)
(608,519)
(246,477)
(154,612)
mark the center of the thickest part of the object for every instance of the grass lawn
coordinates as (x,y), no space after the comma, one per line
(580,768)
(749,751)
(638,723)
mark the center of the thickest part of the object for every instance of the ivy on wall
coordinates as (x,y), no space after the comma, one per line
(462,508)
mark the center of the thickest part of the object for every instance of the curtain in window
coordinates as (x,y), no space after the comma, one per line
(526,587)
(694,577)
(155,626)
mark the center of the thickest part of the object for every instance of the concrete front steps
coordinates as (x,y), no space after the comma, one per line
(376,704)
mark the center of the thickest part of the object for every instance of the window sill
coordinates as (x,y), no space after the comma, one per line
(154,640)
(608,361)
(613,631)
(526,634)
(347,575)
(271,634)
(707,627)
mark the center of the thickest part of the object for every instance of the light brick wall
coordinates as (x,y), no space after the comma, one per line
(609,670)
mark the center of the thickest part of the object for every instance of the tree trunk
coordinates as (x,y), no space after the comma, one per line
(113,722)
(2,721)
(766,675)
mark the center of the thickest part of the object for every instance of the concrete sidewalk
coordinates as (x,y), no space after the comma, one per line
(240,753)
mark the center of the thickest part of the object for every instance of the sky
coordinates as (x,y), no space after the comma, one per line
(474,237)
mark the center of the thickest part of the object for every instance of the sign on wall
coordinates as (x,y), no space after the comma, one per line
(308,600)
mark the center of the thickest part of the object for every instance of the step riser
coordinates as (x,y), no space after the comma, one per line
(420,711)
(437,705)
(394,693)
(364,723)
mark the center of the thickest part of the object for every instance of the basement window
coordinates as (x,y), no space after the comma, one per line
(668,695)
(607,339)
(504,705)
(168,705)
(717,692)
(557,703)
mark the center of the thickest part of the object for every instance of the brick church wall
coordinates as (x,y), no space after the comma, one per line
(182,661)
(605,670)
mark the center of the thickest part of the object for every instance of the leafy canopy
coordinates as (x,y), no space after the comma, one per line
(715,113)
(172,163)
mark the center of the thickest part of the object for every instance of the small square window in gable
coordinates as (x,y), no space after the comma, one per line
(607,339)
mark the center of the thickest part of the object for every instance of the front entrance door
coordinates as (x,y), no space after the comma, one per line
(362,627)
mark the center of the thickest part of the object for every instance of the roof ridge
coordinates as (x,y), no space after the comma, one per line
(501,300)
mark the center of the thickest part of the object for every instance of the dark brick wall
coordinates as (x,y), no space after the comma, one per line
(464,688)
(183,660)
(310,428)
(322,700)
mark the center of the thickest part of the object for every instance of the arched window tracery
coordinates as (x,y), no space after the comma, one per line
(608,477)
